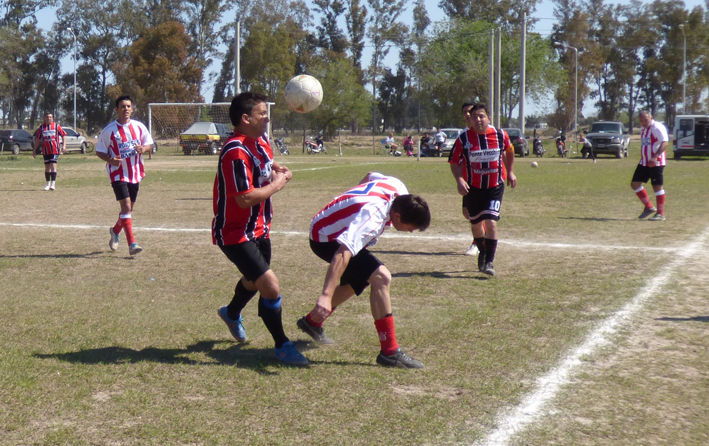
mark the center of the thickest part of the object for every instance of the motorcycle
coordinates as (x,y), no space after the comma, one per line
(538,147)
(315,145)
(561,148)
(281,146)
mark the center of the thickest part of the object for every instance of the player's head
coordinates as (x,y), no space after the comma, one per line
(243,104)
(410,212)
(479,118)
(122,98)
(645,118)
(48,118)
(124,108)
(467,106)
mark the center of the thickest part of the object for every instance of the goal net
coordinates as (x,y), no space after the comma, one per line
(167,120)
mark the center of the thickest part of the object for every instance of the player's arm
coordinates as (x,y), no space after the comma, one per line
(457,171)
(508,157)
(323,307)
(260,194)
(662,136)
(37,142)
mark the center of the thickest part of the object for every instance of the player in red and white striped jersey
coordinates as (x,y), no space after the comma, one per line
(340,234)
(653,147)
(121,145)
(478,162)
(48,135)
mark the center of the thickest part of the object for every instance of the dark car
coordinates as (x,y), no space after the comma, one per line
(207,137)
(518,141)
(15,140)
(609,137)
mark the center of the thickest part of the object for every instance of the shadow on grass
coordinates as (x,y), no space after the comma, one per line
(193,199)
(419,253)
(236,355)
(443,275)
(596,219)
(54,256)
(684,319)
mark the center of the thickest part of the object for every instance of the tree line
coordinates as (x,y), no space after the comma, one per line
(630,57)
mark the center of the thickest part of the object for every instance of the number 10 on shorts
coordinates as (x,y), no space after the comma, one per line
(495,205)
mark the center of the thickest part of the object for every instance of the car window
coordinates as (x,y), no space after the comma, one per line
(513,132)
(23,133)
(70,132)
(605,128)
(451,133)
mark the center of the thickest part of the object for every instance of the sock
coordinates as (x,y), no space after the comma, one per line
(490,249)
(660,197)
(53,176)
(642,195)
(387,334)
(310,320)
(242,296)
(48,176)
(128,228)
(269,310)
(118,227)
(480,243)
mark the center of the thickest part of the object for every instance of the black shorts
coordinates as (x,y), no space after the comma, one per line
(252,258)
(654,174)
(124,190)
(359,269)
(51,159)
(484,204)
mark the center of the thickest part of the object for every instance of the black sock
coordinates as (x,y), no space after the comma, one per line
(242,296)
(270,311)
(47,176)
(490,248)
(480,243)
(53,176)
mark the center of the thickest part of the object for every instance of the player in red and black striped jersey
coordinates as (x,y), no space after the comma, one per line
(478,162)
(48,136)
(247,177)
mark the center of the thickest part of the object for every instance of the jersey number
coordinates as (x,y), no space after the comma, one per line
(495,205)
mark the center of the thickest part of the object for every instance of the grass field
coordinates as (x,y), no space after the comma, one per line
(99,348)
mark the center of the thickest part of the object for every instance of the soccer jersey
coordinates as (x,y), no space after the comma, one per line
(120,140)
(244,165)
(49,135)
(650,140)
(481,157)
(359,216)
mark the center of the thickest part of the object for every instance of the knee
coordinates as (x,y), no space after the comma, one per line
(380,278)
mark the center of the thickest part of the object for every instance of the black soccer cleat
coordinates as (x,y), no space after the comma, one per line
(647,212)
(318,334)
(657,217)
(481,261)
(489,269)
(398,359)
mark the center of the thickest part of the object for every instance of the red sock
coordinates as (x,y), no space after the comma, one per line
(128,228)
(660,203)
(642,195)
(387,335)
(118,227)
(317,324)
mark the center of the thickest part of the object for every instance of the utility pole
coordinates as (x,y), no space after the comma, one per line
(522,71)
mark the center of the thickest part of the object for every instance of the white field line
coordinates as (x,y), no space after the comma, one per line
(512,421)
(392,235)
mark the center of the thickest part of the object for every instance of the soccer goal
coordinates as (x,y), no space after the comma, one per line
(167,120)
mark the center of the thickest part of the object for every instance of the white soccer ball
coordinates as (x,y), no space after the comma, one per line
(534,164)
(303,93)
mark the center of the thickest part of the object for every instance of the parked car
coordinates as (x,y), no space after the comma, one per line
(76,142)
(690,136)
(451,136)
(206,137)
(14,140)
(518,141)
(609,137)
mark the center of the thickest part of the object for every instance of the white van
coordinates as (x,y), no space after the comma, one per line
(690,135)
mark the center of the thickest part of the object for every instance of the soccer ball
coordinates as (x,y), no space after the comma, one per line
(303,93)
(534,164)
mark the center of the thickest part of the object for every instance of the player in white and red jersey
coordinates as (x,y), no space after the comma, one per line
(48,136)
(340,234)
(653,147)
(121,145)
(480,157)
(247,177)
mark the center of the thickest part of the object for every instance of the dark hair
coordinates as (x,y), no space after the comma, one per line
(465,104)
(480,106)
(122,98)
(413,210)
(243,104)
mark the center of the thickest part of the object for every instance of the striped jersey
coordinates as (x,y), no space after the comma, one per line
(650,140)
(481,156)
(244,165)
(120,140)
(49,135)
(359,216)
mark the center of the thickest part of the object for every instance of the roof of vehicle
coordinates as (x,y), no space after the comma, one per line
(8,132)
(513,130)
(208,128)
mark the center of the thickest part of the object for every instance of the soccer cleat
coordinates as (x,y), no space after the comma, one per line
(134,249)
(657,217)
(489,269)
(473,250)
(646,213)
(288,354)
(481,261)
(236,326)
(398,359)
(317,333)
(52,186)
(115,239)
(46,187)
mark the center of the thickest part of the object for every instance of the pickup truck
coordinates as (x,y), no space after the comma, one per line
(609,137)
(206,137)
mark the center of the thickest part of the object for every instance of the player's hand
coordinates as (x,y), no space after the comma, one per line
(115,161)
(511,180)
(322,309)
(278,179)
(463,187)
(651,162)
(34,154)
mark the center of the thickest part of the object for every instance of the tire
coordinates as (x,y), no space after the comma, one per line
(323,149)
(677,156)
(619,154)
(213,149)
(310,149)
(16,149)
(87,147)
(155,147)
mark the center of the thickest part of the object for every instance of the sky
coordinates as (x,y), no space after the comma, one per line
(544,16)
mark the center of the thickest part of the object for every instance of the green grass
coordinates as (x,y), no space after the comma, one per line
(101,348)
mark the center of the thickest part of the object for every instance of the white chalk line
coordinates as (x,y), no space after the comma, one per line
(514,420)
(386,235)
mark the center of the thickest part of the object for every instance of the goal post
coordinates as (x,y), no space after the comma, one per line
(167,120)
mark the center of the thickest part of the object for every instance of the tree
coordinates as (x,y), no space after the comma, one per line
(505,13)
(330,37)
(201,19)
(357,20)
(19,67)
